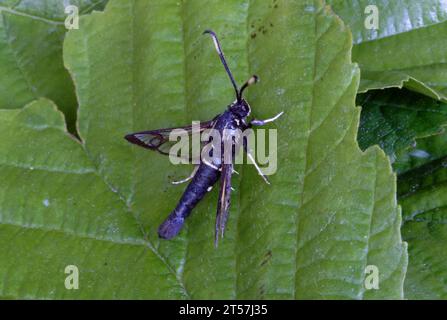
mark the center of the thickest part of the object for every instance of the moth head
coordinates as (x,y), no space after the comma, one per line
(240,108)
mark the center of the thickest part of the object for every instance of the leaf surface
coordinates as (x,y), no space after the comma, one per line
(396,119)
(31,36)
(409,48)
(331,209)
(422,194)
(424,151)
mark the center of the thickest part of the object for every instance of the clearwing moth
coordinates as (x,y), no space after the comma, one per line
(206,174)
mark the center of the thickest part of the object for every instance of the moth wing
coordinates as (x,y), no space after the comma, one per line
(223,204)
(158,140)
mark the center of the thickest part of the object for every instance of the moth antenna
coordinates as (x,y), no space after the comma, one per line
(253,79)
(222,58)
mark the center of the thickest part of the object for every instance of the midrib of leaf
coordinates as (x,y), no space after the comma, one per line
(74,234)
(412,108)
(374,200)
(13,10)
(424,171)
(410,68)
(400,33)
(433,211)
(300,191)
(30,16)
(47,169)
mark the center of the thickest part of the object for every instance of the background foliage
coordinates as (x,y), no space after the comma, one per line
(95,201)
(409,50)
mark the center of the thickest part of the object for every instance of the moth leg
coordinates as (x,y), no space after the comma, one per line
(252,160)
(210,165)
(193,173)
(256,122)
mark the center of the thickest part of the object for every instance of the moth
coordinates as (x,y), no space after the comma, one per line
(207,173)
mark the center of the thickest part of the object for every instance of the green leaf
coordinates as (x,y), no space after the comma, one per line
(394,119)
(423,151)
(56,211)
(421,191)
(409,48)
(31,36)
(422,194)
(330,211)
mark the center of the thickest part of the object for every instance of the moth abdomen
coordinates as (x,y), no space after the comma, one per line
(204,178)
(170,227)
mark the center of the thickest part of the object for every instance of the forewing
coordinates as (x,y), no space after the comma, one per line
(223,204)
(158,140)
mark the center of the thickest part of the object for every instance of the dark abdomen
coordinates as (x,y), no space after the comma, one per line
(204,178)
